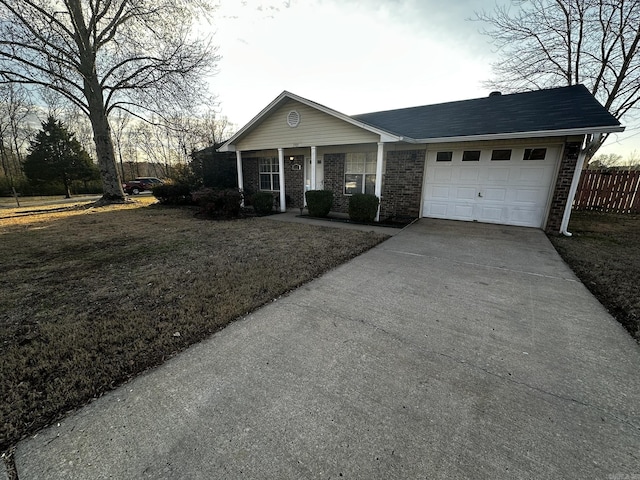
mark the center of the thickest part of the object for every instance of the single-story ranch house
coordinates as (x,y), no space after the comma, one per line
(508,159)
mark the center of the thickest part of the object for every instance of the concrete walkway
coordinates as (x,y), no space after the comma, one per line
(452,350)
(294,216)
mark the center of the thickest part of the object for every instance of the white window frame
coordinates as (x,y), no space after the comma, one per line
(363,165)
(269,168)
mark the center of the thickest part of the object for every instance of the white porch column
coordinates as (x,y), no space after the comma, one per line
(239,167)
(283,206)
(313,167)
(378,190)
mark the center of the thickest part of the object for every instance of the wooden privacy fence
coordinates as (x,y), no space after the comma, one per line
(608,191)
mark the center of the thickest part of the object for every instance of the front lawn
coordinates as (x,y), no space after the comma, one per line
(90,298)
(604,252)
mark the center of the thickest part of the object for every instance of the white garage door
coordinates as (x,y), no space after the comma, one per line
(502,185)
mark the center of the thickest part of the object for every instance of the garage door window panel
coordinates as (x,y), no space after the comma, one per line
(471,156)
(535,153)
(444,156)
(500,155)
(360,173)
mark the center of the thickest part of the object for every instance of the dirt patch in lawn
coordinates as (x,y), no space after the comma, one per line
(604,252)
(90,298)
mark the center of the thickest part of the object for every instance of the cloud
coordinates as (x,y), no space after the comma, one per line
(352,55)
(450,20)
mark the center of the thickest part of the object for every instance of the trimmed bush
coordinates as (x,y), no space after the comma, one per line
(172,194)
(363,207)
(219,203)
(262,203)
(319,202)
(248,194)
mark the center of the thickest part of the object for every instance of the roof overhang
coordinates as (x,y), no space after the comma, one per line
(230,145)
(517,135)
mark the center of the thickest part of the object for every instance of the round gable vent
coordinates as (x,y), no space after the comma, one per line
(293,119)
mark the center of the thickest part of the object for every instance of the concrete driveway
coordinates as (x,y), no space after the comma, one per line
(452,350)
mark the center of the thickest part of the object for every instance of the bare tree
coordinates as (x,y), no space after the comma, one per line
(55,103)
(605,160)
(80,125)
(551,43)
(189,133)
(632,161)
(120,122)
(136,55)
(15,108)
(213,130)
(19,108)
(156,145)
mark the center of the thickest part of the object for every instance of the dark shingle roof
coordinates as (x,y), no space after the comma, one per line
(553,109)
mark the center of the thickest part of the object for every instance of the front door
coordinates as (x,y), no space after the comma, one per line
(319,174)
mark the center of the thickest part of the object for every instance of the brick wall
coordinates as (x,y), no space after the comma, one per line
(294,181)
(402,187)
(334,180)
(250,175)
(562,186)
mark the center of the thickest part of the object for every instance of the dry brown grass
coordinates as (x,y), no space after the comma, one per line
(604,252)
(90,298)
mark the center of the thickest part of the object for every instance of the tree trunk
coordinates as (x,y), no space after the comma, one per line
(65,182)
(4,161)
(111,181)
(92,89)
(121,162)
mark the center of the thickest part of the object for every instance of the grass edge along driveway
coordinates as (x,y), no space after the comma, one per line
(92,298)
(604,253)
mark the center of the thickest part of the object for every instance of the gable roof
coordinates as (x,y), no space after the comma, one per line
(229,145)
(552,112)
(556,110)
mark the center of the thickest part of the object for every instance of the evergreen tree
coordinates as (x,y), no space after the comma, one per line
(55,155)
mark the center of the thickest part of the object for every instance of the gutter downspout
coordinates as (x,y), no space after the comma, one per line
(574,184)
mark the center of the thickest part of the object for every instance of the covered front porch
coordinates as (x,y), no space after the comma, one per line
(289,172)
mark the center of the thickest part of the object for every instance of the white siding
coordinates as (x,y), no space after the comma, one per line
(315,128)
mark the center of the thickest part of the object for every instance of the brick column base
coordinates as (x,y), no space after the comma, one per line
(563,184)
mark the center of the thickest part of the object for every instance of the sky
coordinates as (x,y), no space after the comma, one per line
(356,56)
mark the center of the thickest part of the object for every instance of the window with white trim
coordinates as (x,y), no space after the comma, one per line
(360,173)
(269,174)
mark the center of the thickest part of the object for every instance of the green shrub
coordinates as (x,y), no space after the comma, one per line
(248,194)
(44,188)
(26,188)
(262,203)
(319,202)
(363,207)
(219,203)
(172,194)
